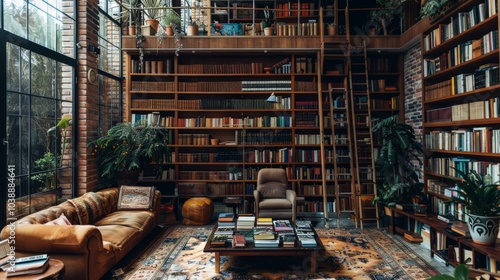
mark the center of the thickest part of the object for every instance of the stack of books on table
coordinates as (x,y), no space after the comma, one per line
(28,265)
(263,221)
(245,222)
(239,240)
(282,226)
(305,234)
(288,240)
(220,239)
(226,217)
(264,236)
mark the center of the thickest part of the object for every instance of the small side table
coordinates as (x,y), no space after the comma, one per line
(55,271)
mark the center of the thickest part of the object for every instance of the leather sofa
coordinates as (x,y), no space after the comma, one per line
(90,250)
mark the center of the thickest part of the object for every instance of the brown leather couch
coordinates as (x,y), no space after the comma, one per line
(90,250)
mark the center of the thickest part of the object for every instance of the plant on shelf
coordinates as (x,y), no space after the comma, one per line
(433,8)
(192,28)
(330,28)
(130,15)
(172,20)
(481,199)
(152,9)
(396,162)
(127,149)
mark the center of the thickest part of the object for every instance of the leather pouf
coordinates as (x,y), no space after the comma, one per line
(197,211)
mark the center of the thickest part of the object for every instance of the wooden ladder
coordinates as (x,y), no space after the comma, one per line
(364,176)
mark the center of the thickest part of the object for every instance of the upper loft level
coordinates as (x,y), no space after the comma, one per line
(294,25)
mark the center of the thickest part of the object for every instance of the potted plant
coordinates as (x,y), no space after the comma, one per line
(130,16)
(396,163)
(330,28)
(172,20)
(192,28)
(153,12)
(127,149)
(267,23)
(481,199)
(433,8)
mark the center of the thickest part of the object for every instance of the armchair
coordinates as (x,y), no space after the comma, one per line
(272,197)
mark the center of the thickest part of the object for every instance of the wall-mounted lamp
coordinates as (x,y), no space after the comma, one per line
(272,98)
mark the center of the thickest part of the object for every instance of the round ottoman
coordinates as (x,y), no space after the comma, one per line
(197,211)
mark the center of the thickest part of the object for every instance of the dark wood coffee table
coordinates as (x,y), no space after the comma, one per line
(250,250)
(55,271)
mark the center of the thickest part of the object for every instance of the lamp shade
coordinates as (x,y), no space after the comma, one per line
(272,98)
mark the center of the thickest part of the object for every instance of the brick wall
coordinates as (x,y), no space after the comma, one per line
(87,94)
(413,88)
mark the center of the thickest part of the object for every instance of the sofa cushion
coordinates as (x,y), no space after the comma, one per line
(62,220)
(133,219)
(136,197)
(89,208)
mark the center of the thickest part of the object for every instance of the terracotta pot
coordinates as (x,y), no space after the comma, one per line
(153,23)
(330,30)
(131,30)
(169,30)
(268,31)
(192,30)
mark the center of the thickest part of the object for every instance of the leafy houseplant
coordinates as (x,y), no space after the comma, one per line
(153,12)
(461,273)
(128,149)
(433,8)
(130,16)
(330,28)
(172,20)
(192,28)
(395,163)
(481,199)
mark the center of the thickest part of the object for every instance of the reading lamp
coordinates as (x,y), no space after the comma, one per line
(272,98)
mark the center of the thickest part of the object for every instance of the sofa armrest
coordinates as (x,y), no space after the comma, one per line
(291,195)
(55,238)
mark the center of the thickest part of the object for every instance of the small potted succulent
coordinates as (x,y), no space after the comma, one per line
(172,20)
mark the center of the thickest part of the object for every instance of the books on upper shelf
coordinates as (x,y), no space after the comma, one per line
(239,240)
(263,232)
(264,221)
(226,217)
(29,265)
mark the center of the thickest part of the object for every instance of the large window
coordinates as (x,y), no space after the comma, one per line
(38,97)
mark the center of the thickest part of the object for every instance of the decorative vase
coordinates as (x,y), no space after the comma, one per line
(192,30)
(268,31)
(483,230)
(169,30)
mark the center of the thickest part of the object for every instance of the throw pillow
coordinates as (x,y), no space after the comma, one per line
(62,221)
(136,198)
(89,207)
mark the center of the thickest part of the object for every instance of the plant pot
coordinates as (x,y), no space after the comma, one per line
(268,31)
(169,30)
(330,30)
(483,230)
(154,24)
(131,30)
(192,30)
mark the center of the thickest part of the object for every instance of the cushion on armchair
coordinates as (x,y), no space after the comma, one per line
(272,192)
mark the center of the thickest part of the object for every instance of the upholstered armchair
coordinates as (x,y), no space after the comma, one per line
(273,198)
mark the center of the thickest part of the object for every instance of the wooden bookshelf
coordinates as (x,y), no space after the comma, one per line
(461,113)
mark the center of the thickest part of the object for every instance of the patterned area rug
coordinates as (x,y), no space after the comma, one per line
(350,254)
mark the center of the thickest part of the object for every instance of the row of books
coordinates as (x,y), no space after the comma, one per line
(291,9)
(277,85)
(152,119)
(193,139)
(447,166)
(240,68)
(459,23)
(152,86)
(475,110)
(234,103)
(305,29)
(478,139)
(264,138)
(152,66)
(263,121)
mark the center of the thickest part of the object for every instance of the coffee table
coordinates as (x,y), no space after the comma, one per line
(250,250)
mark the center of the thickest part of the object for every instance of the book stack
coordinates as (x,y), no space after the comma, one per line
(239,240)
(226,217)
(28,265)
(282,226)
(305,234)
(288,240)
(263,232)
(267,243)
(264,221)
(220,239)
(245,222)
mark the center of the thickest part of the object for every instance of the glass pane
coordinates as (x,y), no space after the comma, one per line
(43,108)
(44,76)
(13,68)
(25,70)
(109,112)
(15,17)
(109,43)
